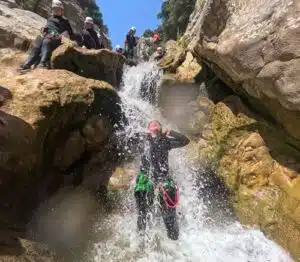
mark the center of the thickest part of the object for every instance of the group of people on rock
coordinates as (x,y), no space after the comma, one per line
(131,42)
(53,34)
(58,28)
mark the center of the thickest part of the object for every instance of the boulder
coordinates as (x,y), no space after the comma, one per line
(96,64)
(189,69)
(254,47)
(174,56)
(18,28)
(259,166)
(15,249)
(145,48)
(43,114)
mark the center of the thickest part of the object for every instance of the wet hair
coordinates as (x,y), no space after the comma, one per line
(156,121)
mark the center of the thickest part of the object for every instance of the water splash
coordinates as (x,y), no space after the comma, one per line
(197,242)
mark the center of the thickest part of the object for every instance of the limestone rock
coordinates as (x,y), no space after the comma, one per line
(40,111)
(259,167)
(18,28)
(10,60)
(199,113)
(174,56)
(189,69)
(96,64)
(14,249)
(255,47)
(145,48)
(71,151)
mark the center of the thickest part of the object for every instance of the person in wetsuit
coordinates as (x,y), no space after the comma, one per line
(51,35)
(154,172)
(89,36)
(130,43)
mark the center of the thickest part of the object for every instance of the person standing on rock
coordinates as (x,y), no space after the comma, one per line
(51,37)
(154,174)
(130,43)
(90,38)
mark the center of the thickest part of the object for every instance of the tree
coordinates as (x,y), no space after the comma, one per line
(174,16)
(148,33)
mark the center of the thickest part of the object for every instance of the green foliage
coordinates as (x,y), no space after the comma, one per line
(175,17)
(93,11)
(148,33)
(28,4)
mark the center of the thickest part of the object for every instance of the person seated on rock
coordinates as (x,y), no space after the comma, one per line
(159,54)
(130,43)
(51,37)
(119,50)
(90,38)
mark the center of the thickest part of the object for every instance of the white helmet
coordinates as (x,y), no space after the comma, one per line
(159,48)
(57,4)
(118,47)
(133,28)
(88,20)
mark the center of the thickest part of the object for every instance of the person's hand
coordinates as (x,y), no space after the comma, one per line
(167,132)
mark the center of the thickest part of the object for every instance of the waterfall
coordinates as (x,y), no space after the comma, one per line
(226,241)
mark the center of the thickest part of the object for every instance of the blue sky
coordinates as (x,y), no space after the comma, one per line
(120,15)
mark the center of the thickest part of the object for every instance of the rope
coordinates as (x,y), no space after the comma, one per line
(169,202)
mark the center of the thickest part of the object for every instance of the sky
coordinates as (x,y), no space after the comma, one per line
(120,15)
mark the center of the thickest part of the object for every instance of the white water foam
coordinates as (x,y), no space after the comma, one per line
(197,242)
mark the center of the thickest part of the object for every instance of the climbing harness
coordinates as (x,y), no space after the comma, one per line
(144,184)
(166,197)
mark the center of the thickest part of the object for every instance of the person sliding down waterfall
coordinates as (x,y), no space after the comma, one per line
(154,173)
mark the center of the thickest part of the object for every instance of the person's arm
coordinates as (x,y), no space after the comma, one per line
(67,30)
(176,139)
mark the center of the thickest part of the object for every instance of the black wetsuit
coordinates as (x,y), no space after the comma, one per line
(154,163)
(131,43)
(90,39)
(44,45)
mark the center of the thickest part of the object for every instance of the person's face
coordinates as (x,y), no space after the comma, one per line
(133,32)
(88,25)
(159,51)
(58,11)
(154,128)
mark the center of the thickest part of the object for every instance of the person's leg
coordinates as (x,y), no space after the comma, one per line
(170,220)
(48,47)
(141,203)
(169,214)
(34,54)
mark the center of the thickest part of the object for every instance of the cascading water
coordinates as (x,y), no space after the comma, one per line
(198,242)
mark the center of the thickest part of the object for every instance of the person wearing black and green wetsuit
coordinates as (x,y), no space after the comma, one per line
(154,170)
(50,38)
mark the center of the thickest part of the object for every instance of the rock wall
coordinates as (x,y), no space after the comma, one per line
(259,167)
(53,125)
(18,28)
(252,140)
(254,48)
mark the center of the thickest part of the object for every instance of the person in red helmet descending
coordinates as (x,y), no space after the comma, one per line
(154,174)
